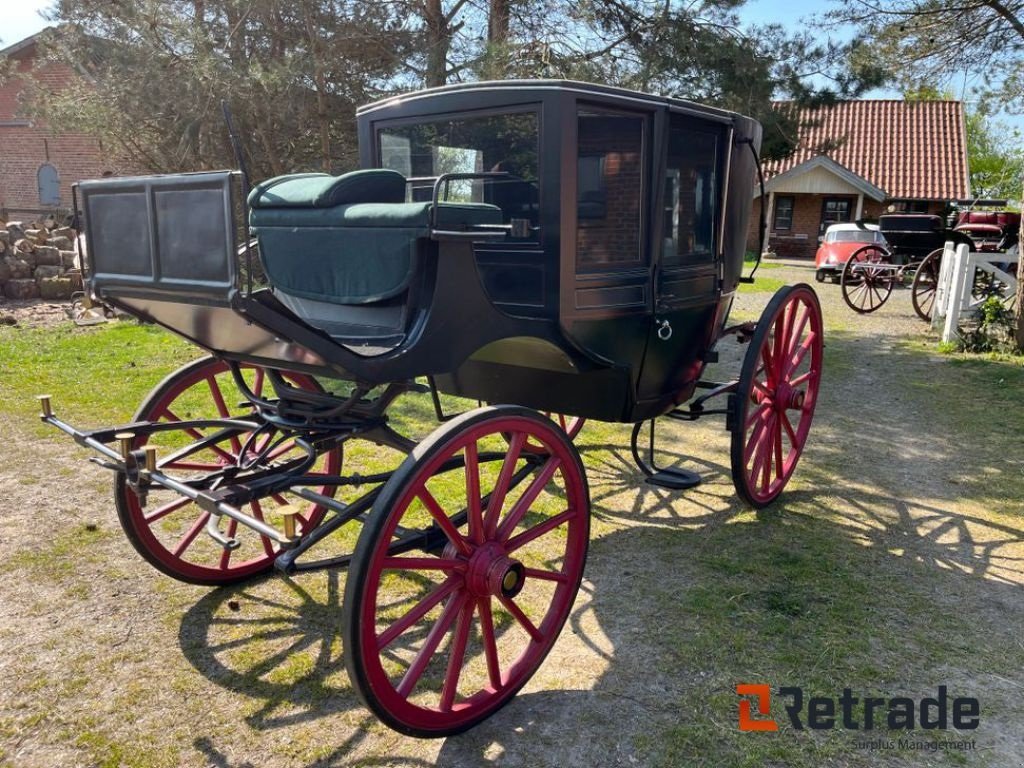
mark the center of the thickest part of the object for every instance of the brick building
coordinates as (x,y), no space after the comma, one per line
(883,155)
(37,166)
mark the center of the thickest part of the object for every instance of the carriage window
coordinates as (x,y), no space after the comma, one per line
(493,143)
(609,193)
(691,195)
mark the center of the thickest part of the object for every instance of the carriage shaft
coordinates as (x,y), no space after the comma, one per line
(205,501)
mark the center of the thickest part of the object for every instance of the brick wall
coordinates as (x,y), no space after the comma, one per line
(614,236)
(801,241)
(26,145)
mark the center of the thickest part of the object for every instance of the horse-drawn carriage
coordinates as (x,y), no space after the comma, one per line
(555,246)
(912,253)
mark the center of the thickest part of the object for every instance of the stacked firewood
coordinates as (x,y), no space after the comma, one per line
(37,260)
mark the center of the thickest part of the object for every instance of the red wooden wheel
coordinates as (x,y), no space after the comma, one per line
(926,280)
(167,529)
(571,425)
(867,279)
(440,638)
(776,395)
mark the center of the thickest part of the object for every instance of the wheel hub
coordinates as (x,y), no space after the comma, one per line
(787,398)
(491,572)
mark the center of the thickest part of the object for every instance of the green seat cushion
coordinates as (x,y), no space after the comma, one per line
(342,265)
(321,190)
(352,254)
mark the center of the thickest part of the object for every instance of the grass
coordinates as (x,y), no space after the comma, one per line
(891,566)
(96,374)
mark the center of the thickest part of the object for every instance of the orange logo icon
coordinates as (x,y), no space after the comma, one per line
(763,694)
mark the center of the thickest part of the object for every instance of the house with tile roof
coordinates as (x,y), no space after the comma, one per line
(857,159)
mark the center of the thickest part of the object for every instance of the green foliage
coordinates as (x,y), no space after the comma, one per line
(994,329)
(153,75)
(994,157)
(153,72)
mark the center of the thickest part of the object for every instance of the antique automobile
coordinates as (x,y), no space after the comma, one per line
(549,247)
(839,243)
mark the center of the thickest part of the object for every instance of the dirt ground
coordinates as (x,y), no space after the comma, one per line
(905,572)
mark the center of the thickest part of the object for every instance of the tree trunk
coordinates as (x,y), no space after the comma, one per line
(497,21)
(438,41)
(1019,335)
(320,80)
(497,38)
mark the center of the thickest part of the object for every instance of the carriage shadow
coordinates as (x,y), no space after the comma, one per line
(672,615)
(881,583)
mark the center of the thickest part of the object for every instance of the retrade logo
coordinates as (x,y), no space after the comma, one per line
(899,713)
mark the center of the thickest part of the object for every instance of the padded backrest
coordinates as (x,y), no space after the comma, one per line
(318,243)
(321,190)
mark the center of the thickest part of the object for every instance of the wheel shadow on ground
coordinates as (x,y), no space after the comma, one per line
(875,593)
(878,582)
(893,597)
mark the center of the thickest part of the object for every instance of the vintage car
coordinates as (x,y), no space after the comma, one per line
(839,242)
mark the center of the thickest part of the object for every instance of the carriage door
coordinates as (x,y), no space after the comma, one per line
(687,268)
(605,265)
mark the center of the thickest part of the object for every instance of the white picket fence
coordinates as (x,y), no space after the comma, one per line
(953,299)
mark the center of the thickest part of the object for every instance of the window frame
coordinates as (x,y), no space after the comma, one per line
(644,257)
(791,199)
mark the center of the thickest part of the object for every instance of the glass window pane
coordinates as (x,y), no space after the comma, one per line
(783,218)
(505,143)
(609,177)
(691,195)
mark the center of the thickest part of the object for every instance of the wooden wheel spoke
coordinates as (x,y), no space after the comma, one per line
(759,448)
(755,437)
(444,622)
(166,509)
(222,409)
(539,530)
(522,506)
(501,488)
(417,612)
(257,512)
(457,655)
(420,564)
(778,448)
(802,378)
(794,339)
(524,621)
(473,503)
(537,573)
(757,414)
(190,536)
(798,358)
(443,521)
(490,645)
(195,434)
(790,431)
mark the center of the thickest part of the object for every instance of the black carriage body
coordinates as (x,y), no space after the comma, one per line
(912,236)
(613,259)
(625,221)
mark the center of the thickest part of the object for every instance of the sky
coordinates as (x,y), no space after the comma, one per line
(20,18)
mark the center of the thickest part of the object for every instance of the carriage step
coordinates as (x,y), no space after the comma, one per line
(674,478)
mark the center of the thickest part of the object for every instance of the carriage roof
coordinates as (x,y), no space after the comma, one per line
(464,95)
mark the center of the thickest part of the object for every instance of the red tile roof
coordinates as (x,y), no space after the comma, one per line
(909,149)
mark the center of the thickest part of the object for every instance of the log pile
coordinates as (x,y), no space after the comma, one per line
(37,260)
